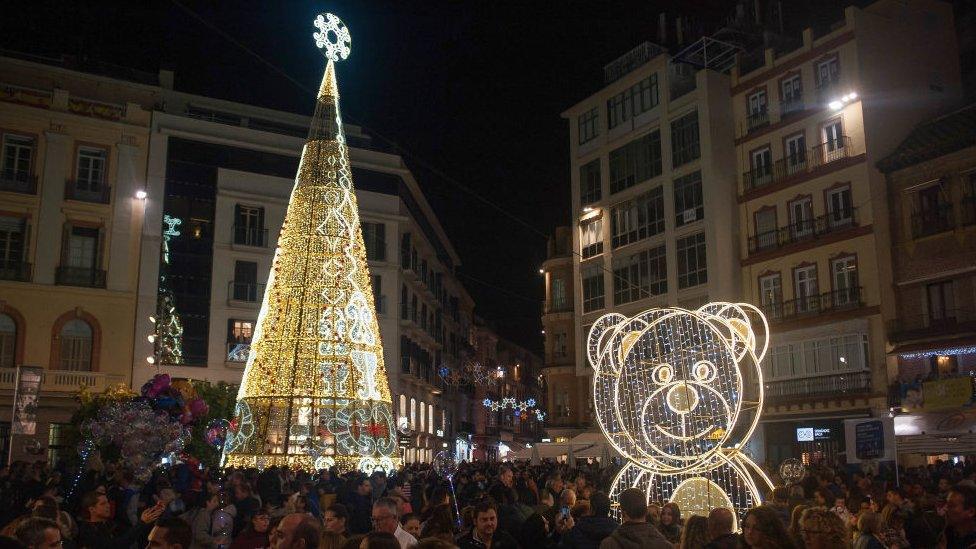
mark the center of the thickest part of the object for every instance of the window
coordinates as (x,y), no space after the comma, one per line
(413,413)
(640,276)
(757,103)
(796,153)
(766,229)
(8,341)
(833,139)
(403,407)
(761,166)
(12,240)
(805,288)
(685,145)
(562,402)
(941,300)
(645,94)
(801,217)
(239,334)
(57,444)
(91,169)
(82,247)
(635,100)
(637,219)
(591,238)
(619,108)
(692,267)
(828,72)
(843,271)
(635,162)
(588,125)
(771,293)
(374,236)
(592,288)
(840,207)
(791,89)
(430,418)
(378,301)
(817,357)
(558,297)
(590,185)
(688,203)
(76,346)
(249,225)
(18,153)
(559,345)
(245,281)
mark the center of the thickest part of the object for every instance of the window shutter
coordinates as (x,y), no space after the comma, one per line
(65,243)
(100,255)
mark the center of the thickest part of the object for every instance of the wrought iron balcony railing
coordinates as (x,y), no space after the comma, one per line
(80,276)
(835,384)
(790,106)
(756,120)
(247,292)
(97,193)
(811,229)
(793,165)
(812,305)
(932,221)
(942,323)
(18,182)
(15,270)
(250,236)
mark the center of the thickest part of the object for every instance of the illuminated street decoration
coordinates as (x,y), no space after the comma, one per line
(678,393)
(315,391)
(520,407)
(167,333)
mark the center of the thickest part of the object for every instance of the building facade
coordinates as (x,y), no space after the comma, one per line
(811,121)
(74,156)
(931,189)
(567,394)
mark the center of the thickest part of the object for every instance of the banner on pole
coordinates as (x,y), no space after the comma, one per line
(28,387)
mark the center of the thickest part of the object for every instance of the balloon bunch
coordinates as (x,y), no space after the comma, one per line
(444,465)
(140,433)
(178,399)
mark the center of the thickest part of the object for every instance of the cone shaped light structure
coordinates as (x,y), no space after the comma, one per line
(315,391)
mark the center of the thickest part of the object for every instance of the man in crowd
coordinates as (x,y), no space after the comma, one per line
(485,534)
(720,535)
(591,529)
(39,533)
(781,503)
(170,533)
(385,519)
(635,532)
(296,531)
(507,477)
(336,517)
(96,529)
(360,505)
(960,532)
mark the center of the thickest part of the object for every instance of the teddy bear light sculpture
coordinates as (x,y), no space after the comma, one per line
(678,393)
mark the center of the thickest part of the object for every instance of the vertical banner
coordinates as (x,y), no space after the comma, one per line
(28,387)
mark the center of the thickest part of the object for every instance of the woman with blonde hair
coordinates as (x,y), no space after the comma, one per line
(821,528)
(330,540)
(695,533)
(869,526)
(794,529)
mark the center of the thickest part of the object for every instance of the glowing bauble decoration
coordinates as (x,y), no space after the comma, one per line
(333,37)
(678,394)
(445,465)
(792,471)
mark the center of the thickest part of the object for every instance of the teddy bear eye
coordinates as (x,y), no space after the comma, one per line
(704,371)
(662,374)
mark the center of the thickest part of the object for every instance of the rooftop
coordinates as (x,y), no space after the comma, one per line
(938,137)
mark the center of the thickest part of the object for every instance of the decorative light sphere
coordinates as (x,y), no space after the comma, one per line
(792,471)
(333,37)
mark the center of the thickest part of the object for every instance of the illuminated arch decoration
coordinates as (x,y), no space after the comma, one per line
(678,393)
(315,391)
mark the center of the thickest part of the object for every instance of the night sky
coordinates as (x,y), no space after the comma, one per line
(470,93)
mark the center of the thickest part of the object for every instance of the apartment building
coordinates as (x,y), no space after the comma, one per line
(567,395)
(73,163)
(811,121)
(652,164)
(931,189)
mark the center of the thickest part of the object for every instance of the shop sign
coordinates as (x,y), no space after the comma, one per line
(947,393)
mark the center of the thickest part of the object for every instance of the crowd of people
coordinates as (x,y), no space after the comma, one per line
(486,506)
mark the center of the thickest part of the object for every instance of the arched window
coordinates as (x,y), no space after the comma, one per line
(423,417)
(413,413)
(430,418)
(76,346)
(403,406)
(8,341)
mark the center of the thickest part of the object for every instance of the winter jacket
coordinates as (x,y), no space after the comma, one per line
(588,533)
(636,535)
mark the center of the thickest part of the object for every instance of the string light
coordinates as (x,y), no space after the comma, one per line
(949,351)
(520,407)
(315,390)
(678,393)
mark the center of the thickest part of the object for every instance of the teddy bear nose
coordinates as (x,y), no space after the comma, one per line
(682,398)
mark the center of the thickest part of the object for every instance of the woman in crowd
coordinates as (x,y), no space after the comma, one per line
(255,534)
(869,526)
(670,525)
(762,529)
(695,533)
(795,536)
(822,529)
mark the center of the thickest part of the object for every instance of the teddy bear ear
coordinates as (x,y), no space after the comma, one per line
(599,337)
(743,324)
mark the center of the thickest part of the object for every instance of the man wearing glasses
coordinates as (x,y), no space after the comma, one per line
(385,519)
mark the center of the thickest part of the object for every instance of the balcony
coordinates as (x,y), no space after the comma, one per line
(64,380)
(835,385)
(804,231)
(757,120)
(15,270)
(18,182)
(80,276)
(250,236)
(96,193)
(548,307)
(244,292)
(943,325)
(791,106)
(932,221)
(826,87)
(792,166)
(809,306)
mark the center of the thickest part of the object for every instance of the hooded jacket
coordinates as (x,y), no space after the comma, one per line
(636,535)
(588,533)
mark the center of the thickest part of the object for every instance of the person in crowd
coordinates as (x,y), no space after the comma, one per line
(379,540)
(330,540)
(245,505)
(635,532)
(440,524)
(49,508)
(822,529)
(654,514)
(360,506)
(295,531)
(893,529)
(720,529)
(694,534)
(896,497)
(485,534)
(199,519)
(39,533)
(534,533)
(762,529)
(670,524)
(435,543)
(335,518)
(510,514)
(840,509)
(411,523)
(385,519)
(256,534)
(97,529)
(781,503)
(796,536)
(590,530)
(170,533)
(507,477)
(960,516)
(355,540)
(869,531)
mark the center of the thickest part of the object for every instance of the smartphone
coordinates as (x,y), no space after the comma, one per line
(564,512)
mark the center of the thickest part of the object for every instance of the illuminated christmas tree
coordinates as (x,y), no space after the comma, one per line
(315,392)
(167,336)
